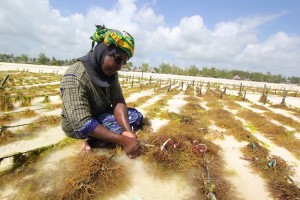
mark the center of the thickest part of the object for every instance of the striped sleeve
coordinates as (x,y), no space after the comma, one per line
(76,105)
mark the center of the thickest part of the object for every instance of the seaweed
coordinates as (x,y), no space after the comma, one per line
(6,101)
(278,134)
(6,117)
(22,159)
(26,101)
(6,135)
(92,175)
(46,99)
(275,171)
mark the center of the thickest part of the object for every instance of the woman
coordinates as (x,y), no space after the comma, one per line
(94,108)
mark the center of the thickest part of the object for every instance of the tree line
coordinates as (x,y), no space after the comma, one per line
(164,68)
(213,72)
(41,60)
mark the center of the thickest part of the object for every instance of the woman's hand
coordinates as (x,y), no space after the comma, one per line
(129,134)
(131,146)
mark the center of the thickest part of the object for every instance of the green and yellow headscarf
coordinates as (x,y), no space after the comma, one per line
(122,40)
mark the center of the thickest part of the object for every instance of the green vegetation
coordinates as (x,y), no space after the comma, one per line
(42,59)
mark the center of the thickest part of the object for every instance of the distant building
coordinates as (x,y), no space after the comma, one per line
(236,77)
(152,71)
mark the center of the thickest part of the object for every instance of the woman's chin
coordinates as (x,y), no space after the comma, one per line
(108,73)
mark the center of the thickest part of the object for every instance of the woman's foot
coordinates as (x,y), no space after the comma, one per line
(90,143)
(85,145)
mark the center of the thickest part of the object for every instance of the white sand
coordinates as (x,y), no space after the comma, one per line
(157,123)
(175,104)
(146,186)
(35,85)
(290,101)
(46,137)
(150,102)
(6,164)
(52,161)
(248,106)
(203,105)
(247,183)
(33,68)
(283,112)
(278,151)
(133,97)
(283,153)
(274,149)
(53,99)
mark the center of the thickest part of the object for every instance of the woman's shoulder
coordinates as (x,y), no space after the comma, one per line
(76,69)
(74,75)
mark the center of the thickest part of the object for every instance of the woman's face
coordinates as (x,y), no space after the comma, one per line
(113,63)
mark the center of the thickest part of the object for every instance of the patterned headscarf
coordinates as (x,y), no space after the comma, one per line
(122,40)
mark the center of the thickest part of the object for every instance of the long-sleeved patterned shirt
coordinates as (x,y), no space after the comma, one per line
(84,101)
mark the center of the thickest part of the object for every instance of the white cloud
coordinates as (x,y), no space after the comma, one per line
(279,54)
(33,27)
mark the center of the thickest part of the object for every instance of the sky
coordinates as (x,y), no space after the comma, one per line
(249,35)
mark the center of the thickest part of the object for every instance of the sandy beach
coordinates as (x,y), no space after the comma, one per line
(144,185)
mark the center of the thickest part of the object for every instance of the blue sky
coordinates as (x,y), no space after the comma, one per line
(255,35)
(213,11)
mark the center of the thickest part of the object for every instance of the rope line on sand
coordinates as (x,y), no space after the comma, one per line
(27,152)
(272,163)
(2,128)
(201,149)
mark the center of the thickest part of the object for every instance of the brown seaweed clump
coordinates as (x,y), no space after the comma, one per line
(6,102)
(92,175)
(186,152)
(278,134)
(6,135)
(46,99)
(53,106)
(263,98)
(275,171)
(44,121)
(6,117)
(88,175)
(171,154)
(26,101)
(224,119)
(173,147)
(296,111)
(27,113)
(212,185)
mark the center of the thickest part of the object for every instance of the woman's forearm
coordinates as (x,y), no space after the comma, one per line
(121,115)
(102,133)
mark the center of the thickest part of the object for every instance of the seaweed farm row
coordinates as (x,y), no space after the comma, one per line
(199,140)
